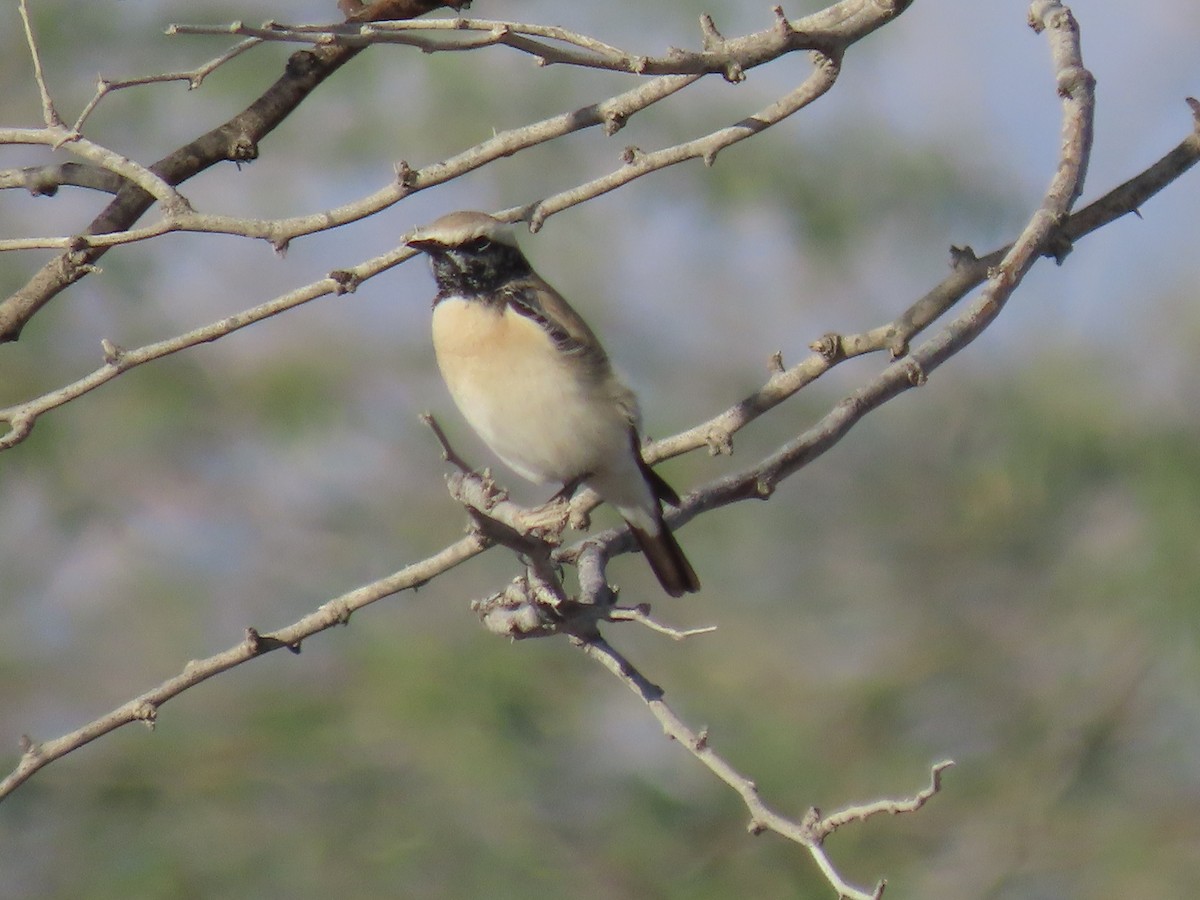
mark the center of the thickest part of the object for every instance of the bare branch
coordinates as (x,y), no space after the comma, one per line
(860,813)
(144,708)
(612,114)
(759,481)
(968,271)
(638,164)
(811,830)
(44,181)
(237,141)
(829,31)
(641,615)
(57,136)
(22,416)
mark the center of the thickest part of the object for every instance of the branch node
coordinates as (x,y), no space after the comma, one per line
(345,281)
(579,519)
(518,612)
(963,256)
(341,612)
(537,218)
(630,155)
(259,643)
(1059,246)
(254,640)
(614,122)
(406,175)
(782,24)
(78,245)
(712,37)
(810,822)
(1072,80)
(147,713)
(830,346)
(69,135)
(763,489)
(822,59)
(775,363)
(113,353)
(719,441)
(714,42)
(917,376)
(242,148)
(734,73)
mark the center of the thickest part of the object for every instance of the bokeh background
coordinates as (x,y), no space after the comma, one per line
(1000,568)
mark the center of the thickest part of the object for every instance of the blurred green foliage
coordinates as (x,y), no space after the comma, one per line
(1000,567)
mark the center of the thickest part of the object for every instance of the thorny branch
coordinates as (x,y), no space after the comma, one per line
(235,141)
(812,829)
(829,32)
(837,26)
(536,604)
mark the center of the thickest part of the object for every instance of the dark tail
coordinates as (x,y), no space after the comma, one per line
(666,558)
(661,550)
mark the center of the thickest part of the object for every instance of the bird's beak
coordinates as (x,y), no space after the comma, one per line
(418,241)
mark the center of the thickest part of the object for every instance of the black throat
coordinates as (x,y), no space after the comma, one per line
(477,269)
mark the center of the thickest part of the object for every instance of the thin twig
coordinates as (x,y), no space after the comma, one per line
(809,831)
(638,164)
(280,232)
(830,30)
(641,615)
(1075,85)
(144,708)
(236,140)
(22,416)
(716,433)
(49,114)
(194,78)
(580,50)
(44,181)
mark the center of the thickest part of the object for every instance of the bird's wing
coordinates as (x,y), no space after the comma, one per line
(533,298)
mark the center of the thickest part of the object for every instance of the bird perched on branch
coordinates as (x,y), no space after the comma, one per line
(532,379)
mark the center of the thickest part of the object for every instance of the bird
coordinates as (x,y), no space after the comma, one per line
(532,379)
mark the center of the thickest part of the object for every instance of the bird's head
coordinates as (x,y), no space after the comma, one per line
(471,252)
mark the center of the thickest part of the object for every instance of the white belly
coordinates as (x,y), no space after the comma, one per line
(512,386)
